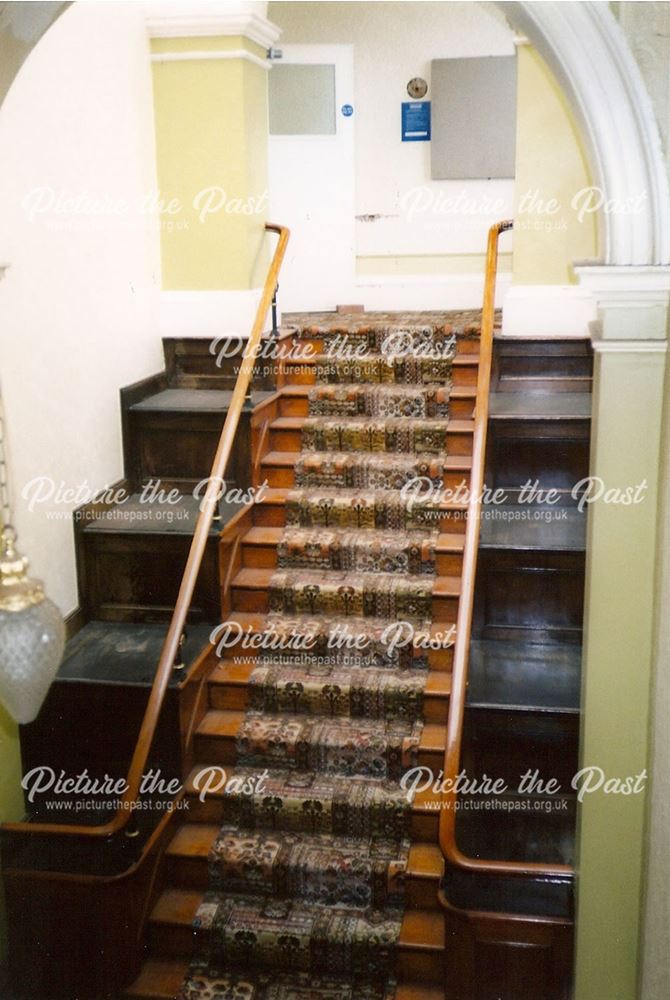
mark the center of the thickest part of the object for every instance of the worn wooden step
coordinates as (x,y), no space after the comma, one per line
(464,370)
(250,592)
(317,343)
(228,689)
(286,435)
(162,979)
(259,548)
(189,850)
(270,511)
(215,740)
(294,401)
(159,979)
(419,952)
(277,467)
(242,626)
(424,812)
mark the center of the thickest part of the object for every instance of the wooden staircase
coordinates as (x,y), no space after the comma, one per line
(421,948)
(523,683)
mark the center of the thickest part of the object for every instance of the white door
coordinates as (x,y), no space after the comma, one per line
(311,170)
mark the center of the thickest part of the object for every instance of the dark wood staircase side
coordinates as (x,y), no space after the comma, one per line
(510,936)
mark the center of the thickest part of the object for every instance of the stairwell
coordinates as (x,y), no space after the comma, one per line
(262,555)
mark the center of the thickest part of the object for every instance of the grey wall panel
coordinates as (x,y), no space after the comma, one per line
(474,118)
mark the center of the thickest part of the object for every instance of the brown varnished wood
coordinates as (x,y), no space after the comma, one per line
(493,955)
(419,951)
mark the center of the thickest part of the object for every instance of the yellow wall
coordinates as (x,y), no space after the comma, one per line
(551,162)
(211,133)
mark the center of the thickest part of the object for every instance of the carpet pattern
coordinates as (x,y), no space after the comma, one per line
(305,897)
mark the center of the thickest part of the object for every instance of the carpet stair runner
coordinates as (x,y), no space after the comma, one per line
(320,884)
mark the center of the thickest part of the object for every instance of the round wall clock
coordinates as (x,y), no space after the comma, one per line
(417,87)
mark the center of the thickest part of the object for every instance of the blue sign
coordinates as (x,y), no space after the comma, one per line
(347,110)
(415,121)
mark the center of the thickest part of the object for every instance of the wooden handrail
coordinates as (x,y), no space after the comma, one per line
(459,680)
(170,646)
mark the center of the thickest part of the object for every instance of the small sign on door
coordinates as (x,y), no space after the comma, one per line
(415,118)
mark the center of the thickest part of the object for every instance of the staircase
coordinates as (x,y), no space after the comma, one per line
(381,852)
(306,872)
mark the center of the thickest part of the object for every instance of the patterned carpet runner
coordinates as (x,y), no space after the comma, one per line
(305,898)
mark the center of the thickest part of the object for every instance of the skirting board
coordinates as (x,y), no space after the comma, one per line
(548,311)
(207,314)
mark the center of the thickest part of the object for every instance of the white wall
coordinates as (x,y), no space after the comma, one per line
(76,301)
(394,42)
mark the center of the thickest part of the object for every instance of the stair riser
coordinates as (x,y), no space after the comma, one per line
(423,826)
(425,966)
(444,609)
(235,698)
(265,556)
(192,873)
(283,477)
(298,406)
(167,941)
(458,443)
(304,374)
(223,750)
(438,659)
(464,345)
(274,516)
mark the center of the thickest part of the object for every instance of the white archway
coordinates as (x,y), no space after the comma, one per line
(587,51)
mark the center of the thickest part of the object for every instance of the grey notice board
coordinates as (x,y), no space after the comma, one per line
(474,117)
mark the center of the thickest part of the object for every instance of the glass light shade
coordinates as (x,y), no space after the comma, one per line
(32,636)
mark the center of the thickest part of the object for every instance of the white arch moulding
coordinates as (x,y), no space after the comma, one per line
(589,55)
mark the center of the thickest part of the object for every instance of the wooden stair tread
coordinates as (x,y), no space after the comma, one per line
(217,722)
(258,578)
(161,980)
(195,840)
(424,801)
(261,535)
(232,672)
(460,359)
(176,907)
(413,991)
(457,391)
(438,683)
(421,802)
(433,737)
(287,459)
(273,495)
(277,496)
(253,577)
(450,541)
(224,723)
(255,620)
(420,929)
(425,861)
(296,423)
